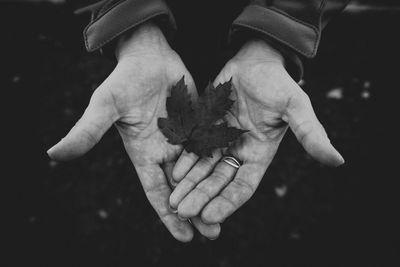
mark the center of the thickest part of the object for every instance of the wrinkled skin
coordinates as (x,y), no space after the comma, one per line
(132,98)
(267,102)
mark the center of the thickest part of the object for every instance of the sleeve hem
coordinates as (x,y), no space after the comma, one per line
(123,16)
(299,36)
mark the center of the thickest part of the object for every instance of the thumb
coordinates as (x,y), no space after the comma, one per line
(309,131)
(96,120)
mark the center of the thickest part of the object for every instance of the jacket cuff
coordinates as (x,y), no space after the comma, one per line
(113,18)
(281,27)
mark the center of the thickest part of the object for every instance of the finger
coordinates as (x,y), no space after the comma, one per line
(193,203)
(186,160)
(95,121)
(309,131)
(183,165)
(211,231)
(168,167)
(235,194)
(157,191)
(200,171)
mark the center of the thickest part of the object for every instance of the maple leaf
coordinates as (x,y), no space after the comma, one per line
(180,122)
(195,128)
(205,139)
(214,104)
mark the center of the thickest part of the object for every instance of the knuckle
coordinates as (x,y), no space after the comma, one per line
(90,133)
(305,129)
(186,211)
(239,194)
(219,175)
(164,217)
(208,215)
(201,191)
(190,181)
(157,188)
(245,187)
(207,161)
(230,201)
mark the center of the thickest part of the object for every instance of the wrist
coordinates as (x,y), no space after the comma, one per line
(145,39)
(260,51)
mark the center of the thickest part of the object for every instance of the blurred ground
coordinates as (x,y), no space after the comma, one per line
(92,211)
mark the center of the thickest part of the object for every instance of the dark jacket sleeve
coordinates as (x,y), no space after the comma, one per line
(111,18)
(292,26)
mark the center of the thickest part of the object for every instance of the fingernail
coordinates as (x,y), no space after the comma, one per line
(173,210)
(173,183)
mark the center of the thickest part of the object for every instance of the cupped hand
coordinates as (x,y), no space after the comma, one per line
(133,97)
(267,102)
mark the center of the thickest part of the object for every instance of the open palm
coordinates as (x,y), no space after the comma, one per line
(267,102)
(133,97)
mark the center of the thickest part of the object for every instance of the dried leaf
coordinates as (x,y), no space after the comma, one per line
(195,128)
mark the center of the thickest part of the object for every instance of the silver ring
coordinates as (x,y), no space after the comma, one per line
(231,161)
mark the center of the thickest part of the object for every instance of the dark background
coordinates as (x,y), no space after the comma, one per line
(93,212)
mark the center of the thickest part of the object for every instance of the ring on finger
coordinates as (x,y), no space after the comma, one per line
(232,161)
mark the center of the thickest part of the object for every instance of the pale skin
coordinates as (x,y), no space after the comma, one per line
(267,102)
(132,98)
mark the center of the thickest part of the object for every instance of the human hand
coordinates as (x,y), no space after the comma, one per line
(134,97)
(267,102)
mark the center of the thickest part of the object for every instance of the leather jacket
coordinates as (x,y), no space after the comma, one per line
(292,26)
